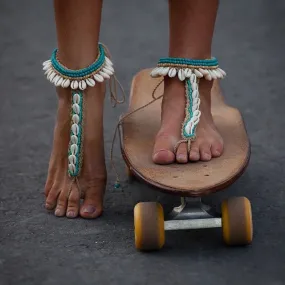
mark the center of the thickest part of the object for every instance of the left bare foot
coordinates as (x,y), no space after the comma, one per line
(208,143)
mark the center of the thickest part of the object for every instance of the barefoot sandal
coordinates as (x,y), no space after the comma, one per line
(189,71)
(78,80)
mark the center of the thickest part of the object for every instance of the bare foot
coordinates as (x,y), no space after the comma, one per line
(61,197)
(208,143)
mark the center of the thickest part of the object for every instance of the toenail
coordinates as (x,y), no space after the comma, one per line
(48,206)
(217,152)
(89,209)
(70,214)
(194,155)
(57,212)
(207,156)
(181,157)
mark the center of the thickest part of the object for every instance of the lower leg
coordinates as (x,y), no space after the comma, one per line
(78,29)
(191,31)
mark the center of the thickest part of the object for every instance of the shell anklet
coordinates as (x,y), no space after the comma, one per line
(78,80)
(189,71)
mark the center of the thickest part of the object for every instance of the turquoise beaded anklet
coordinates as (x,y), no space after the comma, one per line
(78,81)
(190,71)
(98,71)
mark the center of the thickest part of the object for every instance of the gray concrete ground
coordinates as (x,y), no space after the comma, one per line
(37,248)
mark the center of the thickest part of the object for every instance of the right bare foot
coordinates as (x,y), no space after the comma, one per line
(60,196)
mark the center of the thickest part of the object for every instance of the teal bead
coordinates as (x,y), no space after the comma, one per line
(117,185)
(81,72)
(195,62)
(189,136)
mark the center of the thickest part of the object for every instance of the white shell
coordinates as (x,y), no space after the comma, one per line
(76,98)
(198,73)
(90,82)
(74,84)
(65,83)
(72,159)
(213,75)
(164,71)
(108,61)
(181,75)
(75,129)
(98,77)
(204,71)
(110,68)
(222,72)
(187,72)
(74,141)
(75,119)
(51,76)
(154,72)
(194,86)
(71,167)
(82,85)
(47,66)
(208,76)
(217,73)
(76,108)
(108,71)
(74,148)
(54,80)
(172,72)
(105,75)
(49,70)
(46,62)
(62,83)
(59,81)
(195,93)
(193,78)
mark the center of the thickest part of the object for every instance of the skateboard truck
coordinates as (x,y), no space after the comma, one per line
(192,214)
(150,225)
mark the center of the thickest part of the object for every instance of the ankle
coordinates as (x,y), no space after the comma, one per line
(63,96)
(205,86)
(75,61)
(173,84)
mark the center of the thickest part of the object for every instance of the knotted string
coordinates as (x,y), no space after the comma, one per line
(154,99)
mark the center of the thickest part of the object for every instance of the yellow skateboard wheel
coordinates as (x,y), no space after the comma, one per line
(149,226)
(237,221)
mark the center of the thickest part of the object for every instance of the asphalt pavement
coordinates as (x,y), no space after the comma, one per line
(37,248)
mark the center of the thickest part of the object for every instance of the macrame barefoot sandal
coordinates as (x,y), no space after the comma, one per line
(189,71)
(78,80)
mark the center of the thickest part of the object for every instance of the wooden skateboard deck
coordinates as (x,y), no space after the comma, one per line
(195,178)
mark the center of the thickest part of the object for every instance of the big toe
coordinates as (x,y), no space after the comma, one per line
(92,206)
(163,156)
(162,153)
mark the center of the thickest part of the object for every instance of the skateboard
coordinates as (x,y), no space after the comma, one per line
(190,181)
